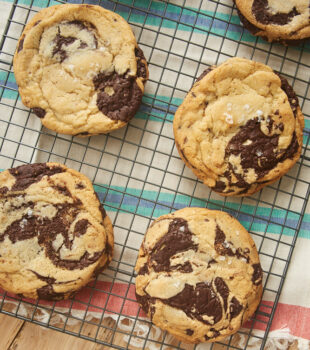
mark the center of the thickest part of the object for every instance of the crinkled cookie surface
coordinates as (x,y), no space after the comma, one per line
(240,127)
(55,235)
(79,68)
(199,275)
(285,21)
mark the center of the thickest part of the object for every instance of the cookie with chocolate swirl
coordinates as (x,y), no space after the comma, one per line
(273,20)
(55,235)
(80,69)
(199,275)
(240,127)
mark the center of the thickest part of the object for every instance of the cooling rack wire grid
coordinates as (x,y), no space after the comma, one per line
(138,174)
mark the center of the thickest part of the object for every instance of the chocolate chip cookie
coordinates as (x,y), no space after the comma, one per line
(240,127)
(80,69)
(283,21)
(55,235)
(199,275)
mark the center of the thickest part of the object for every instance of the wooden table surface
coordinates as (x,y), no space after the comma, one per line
(17,334)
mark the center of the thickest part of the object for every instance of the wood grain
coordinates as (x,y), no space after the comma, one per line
(10,326)
(16,334)
(36,337)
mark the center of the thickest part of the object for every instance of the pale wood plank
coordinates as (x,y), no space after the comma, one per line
(35,337)
(9,328)
(16,334)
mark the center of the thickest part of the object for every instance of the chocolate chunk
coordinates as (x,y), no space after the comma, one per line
(144,270)
(239,181)
(260,154)
(63,190)
(291,150)
(280,127)
(3,190)
(292,98)
(183,155)
(82,25)
(48,280)
(265,144)
(197,302)
(225,248)
(82,45)
(28,174)
(80,186)
(234,308)
(108,249)
(212,261)
(177,239)
(185,268)
(125,99)
(102,211)
(81,263)
(80,227)
(219,186)
(101,208)
(46,230)
(260,9)
(61,41)
(204,73)
(47,293)
(20,230)
(145,301)
(215,334)
(21,44)
(141,63)
(83,133)
(270,123)
(257,276)
(222,289)
(247,24)
(189,332)
(219,238)
(39,112)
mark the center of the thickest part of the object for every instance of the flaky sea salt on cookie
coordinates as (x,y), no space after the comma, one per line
(199,275)
(79,68)
(239,127)
(55,235)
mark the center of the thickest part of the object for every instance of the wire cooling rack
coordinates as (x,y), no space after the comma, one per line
(138,174)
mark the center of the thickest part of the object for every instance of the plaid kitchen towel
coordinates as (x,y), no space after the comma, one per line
(138,174)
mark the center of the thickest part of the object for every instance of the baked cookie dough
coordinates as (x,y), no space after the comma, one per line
(55,235)
(274,20)
(80,69)
(199,275)
(240,127)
